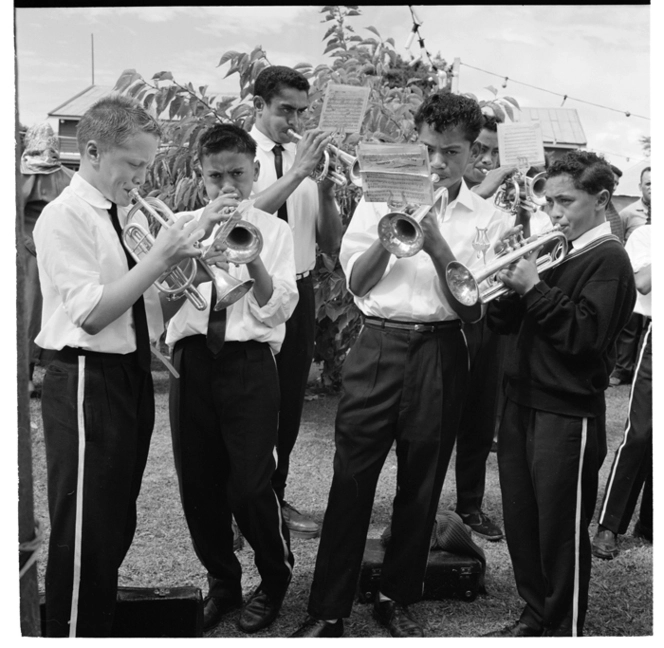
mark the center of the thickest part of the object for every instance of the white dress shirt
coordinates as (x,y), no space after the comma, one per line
(302,204)
(638,249)
(410,288)
(246,320)
(78,251)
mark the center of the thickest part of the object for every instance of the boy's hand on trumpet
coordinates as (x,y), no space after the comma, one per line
(177,242)
(309,152)
(218,209)
(522,275)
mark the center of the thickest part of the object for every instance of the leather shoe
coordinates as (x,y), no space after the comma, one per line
(642,532)
(215,607)
(299,525)
(396,618)
(319,628)
(516,629)
(482,525)
(259,611)
(605,544)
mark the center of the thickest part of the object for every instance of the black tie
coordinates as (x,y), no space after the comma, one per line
(138,309)
(279,166)
(216,330)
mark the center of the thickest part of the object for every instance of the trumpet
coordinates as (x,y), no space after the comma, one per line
(178,282)
(400,232)
(507,197)
(465,287)
(325,169)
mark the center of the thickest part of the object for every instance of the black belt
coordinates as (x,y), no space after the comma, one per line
(420,327)
(71,354)
(302,275)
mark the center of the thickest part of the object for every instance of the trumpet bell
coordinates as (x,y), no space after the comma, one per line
(400,234)
(229,289)
(244,243)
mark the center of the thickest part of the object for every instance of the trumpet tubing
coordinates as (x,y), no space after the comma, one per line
(325,169)
(507,197)
(465,287)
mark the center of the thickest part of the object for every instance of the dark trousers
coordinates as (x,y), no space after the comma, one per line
(627,346)
(632,463)
(401,386)
(293,365)
(224,428)
(94,477)
(548,465)
(478,420)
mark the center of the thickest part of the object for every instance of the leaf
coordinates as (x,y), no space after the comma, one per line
(509,110)
(162,76)
(126,79)
(498,111)
(491,89)
(513,101)
(374,30)
(329,32)
(227,57)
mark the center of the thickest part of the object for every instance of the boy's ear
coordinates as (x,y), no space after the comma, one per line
(602,198)
(475,149)
(92,152)
(257,169)
(259,104)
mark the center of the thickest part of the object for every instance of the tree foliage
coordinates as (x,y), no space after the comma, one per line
(363,59)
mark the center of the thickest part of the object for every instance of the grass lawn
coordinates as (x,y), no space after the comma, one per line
(621,599)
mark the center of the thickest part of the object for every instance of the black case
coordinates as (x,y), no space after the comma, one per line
(154,612)
(448,575)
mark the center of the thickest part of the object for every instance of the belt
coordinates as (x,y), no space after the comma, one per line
(71,354)
(420,327)
(302,275)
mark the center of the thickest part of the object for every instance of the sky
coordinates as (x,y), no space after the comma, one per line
(599,54)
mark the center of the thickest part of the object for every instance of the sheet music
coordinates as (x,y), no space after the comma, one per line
(343,108)
(521,144)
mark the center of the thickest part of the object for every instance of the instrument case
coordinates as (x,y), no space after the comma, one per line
(448,575)
(153,612)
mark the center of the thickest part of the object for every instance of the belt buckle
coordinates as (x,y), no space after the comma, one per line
(421,328)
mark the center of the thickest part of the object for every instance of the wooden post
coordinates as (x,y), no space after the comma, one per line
(455,75)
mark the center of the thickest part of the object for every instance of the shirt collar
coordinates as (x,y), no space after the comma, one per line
(265,143)
(84,190)
(588,237)
(464,198)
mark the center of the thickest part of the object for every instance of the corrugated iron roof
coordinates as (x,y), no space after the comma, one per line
(76,106)
(560,126)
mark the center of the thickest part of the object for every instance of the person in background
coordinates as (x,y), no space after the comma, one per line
(281,97)
(612,216)
(43,178)
(632,464)
(562,328)
(633,216)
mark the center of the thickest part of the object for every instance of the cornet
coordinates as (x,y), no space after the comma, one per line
(507,197)
(400,232)
(176,282)
(465,287)
(325,170)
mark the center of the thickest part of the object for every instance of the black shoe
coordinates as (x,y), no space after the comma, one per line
(319,628)
(605,544)
(216,607)
(516,629)
(482,525)
(300,526)
(259,611)
(396,618)
(642,532)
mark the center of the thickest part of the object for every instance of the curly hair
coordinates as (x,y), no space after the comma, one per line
(490,123)
(272,79)
(112,120)
(443,110)
(226,137)
(589,172)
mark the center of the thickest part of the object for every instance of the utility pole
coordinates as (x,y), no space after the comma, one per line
(455,75)
(92,47)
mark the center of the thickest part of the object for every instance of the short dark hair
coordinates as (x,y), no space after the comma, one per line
(443,110)
(616,170)
(225,137)
(646,170)
(271,80)
(112,120)
(490,123)
(589,172)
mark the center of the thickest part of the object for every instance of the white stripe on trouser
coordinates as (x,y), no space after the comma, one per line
(281,534)
(577,527)
(628,428)
(76,584)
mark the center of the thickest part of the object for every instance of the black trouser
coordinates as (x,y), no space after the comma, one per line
(548,465)
(224,427)
(94,477)
(293,365)
(478,420)
(632,463)
(401,386)
(627,347)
